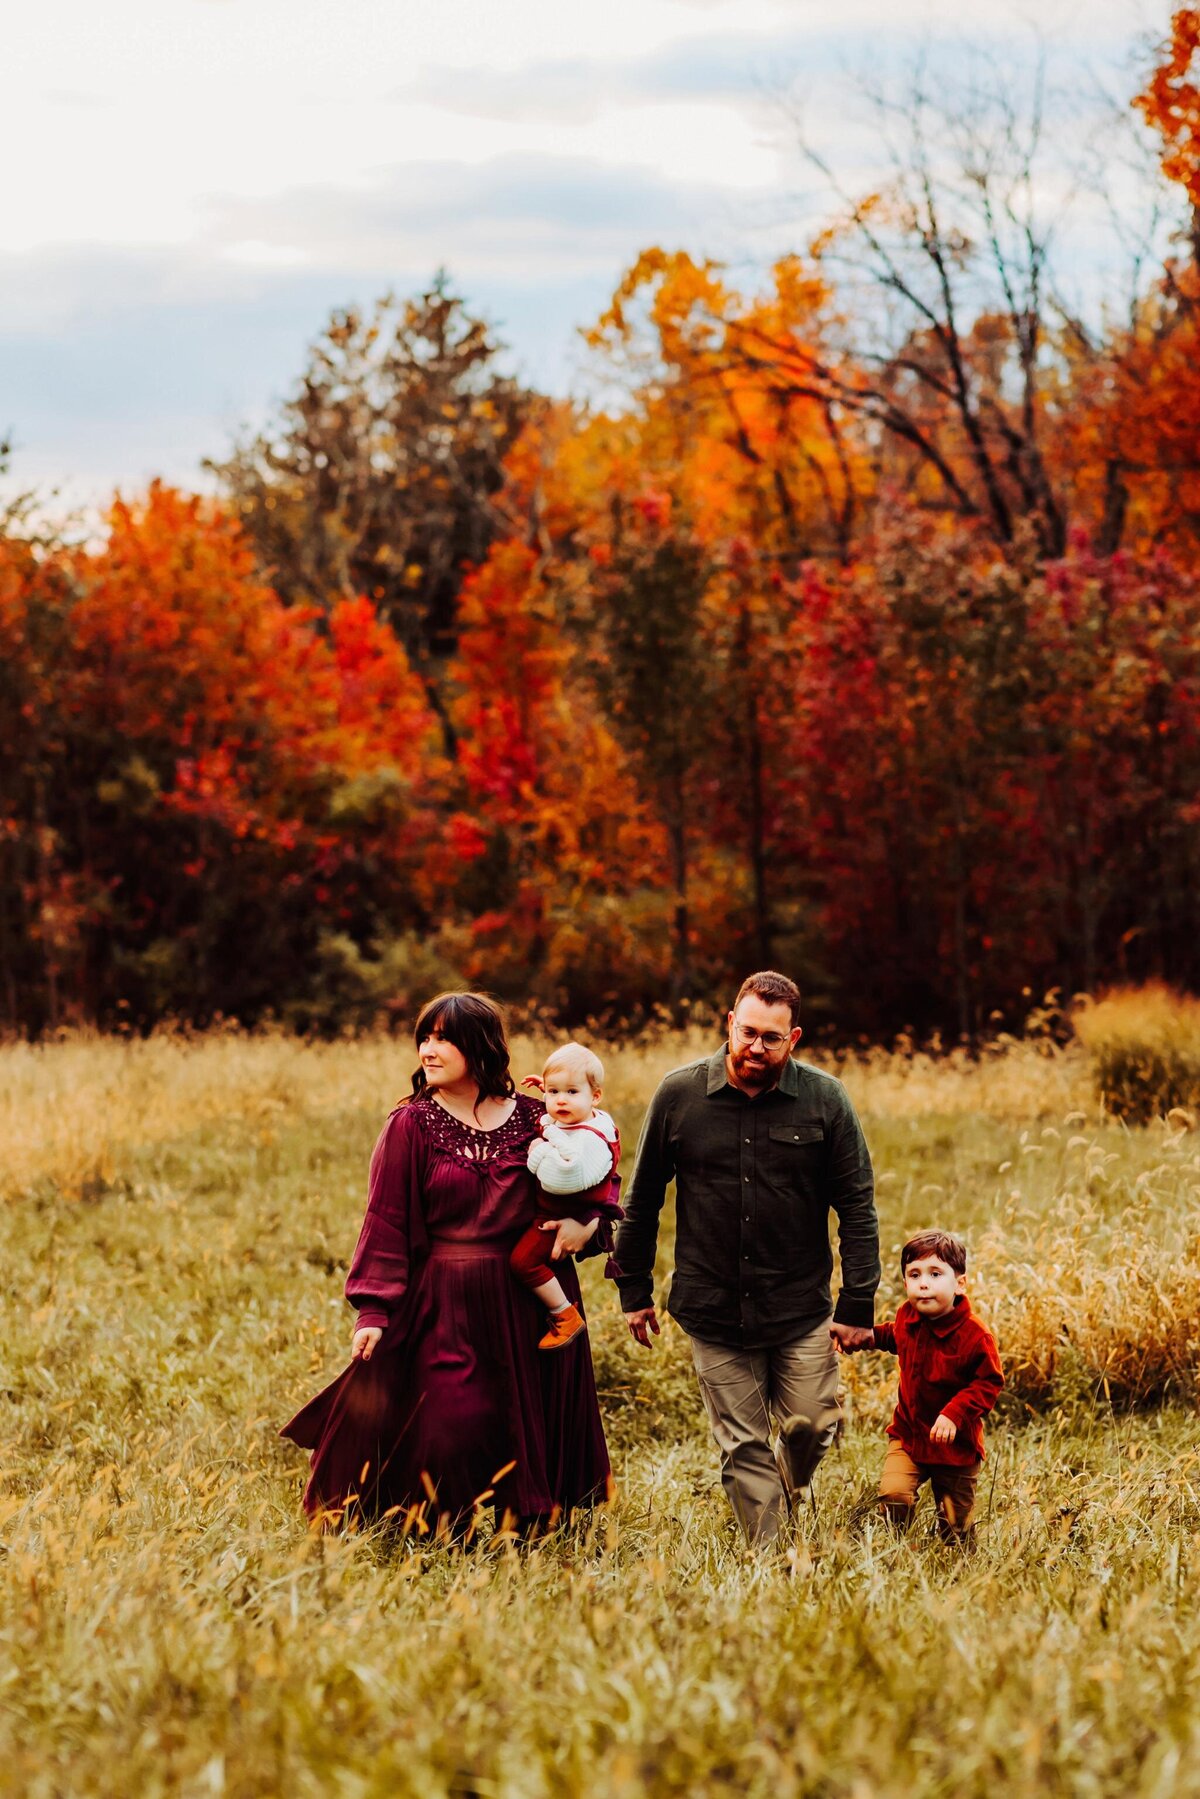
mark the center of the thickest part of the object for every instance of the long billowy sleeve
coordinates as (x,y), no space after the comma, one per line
(393,1230)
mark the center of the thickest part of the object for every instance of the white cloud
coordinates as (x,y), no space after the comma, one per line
(201,181)
(257,253)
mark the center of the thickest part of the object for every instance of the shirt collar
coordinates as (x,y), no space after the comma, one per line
(788,1082)
(949,1321)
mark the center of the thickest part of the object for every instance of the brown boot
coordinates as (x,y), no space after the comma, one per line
(565,1326)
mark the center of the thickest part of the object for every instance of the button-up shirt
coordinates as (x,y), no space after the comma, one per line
(947,1365)
(755,1180)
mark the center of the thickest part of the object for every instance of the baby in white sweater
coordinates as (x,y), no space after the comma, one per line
(575,1160)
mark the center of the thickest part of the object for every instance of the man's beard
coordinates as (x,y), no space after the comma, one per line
(754,1073)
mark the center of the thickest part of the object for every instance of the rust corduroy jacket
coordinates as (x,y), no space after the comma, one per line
(949,1365)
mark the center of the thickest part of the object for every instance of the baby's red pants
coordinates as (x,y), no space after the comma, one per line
(529,1261)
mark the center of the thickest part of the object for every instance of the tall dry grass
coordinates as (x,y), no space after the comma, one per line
(168,1626)
(71,1108)
(1099,1292)
(1084,1287)
(1144,1046)
(169,1629)
(1010,1079)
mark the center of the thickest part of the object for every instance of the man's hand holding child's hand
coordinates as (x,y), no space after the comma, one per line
(942,1430)
(847,1338)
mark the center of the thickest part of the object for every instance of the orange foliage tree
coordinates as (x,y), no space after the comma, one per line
(560,847)
(1170,102)
(877,661)
(215,782)
(646,597)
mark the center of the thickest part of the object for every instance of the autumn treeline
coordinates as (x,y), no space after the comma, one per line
(857,634)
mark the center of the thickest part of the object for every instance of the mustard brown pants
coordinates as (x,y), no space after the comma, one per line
(953,1492)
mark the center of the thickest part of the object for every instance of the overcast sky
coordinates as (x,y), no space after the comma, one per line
(194,184)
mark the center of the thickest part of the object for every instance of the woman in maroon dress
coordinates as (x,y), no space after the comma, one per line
(447,1404)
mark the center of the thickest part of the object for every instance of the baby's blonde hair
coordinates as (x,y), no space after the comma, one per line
(576,1058)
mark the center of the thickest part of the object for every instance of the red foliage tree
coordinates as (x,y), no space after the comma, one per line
(228,780)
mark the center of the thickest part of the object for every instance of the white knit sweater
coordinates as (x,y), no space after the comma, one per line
(570,1158)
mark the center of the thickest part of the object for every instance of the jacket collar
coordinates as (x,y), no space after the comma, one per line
(949,1321)
(788,1082)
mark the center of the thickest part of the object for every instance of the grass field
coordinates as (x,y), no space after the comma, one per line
(177,1219)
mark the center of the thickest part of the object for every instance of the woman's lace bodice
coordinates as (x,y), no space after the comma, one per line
(468,1144)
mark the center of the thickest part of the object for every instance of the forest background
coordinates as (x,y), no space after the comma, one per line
(855,633)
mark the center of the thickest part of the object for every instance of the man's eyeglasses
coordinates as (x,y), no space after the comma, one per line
(769,1039)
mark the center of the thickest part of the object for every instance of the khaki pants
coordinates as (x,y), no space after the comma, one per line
(743,1389)
(953,1492)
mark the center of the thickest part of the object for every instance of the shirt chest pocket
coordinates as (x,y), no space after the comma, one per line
(795,1154)
(799,1136)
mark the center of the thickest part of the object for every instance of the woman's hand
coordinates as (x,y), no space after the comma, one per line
(943,1429)
(571,1235)
(363,1346)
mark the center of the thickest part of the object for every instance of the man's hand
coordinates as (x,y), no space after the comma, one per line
(943,1429)
(363,1346)
(571,1235)
(849,1337)
(641,1324)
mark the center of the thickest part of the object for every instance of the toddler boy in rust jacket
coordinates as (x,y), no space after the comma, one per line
(949,1377)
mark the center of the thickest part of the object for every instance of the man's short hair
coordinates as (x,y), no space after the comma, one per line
(773,989)
(942,1244)
(576,1058)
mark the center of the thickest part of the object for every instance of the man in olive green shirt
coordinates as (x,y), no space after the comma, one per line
(760,1148)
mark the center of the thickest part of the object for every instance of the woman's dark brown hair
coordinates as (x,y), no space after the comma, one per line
(474,1024)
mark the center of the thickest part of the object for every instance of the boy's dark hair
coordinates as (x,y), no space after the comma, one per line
(774,989)
(474,1024)
(942,1244)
